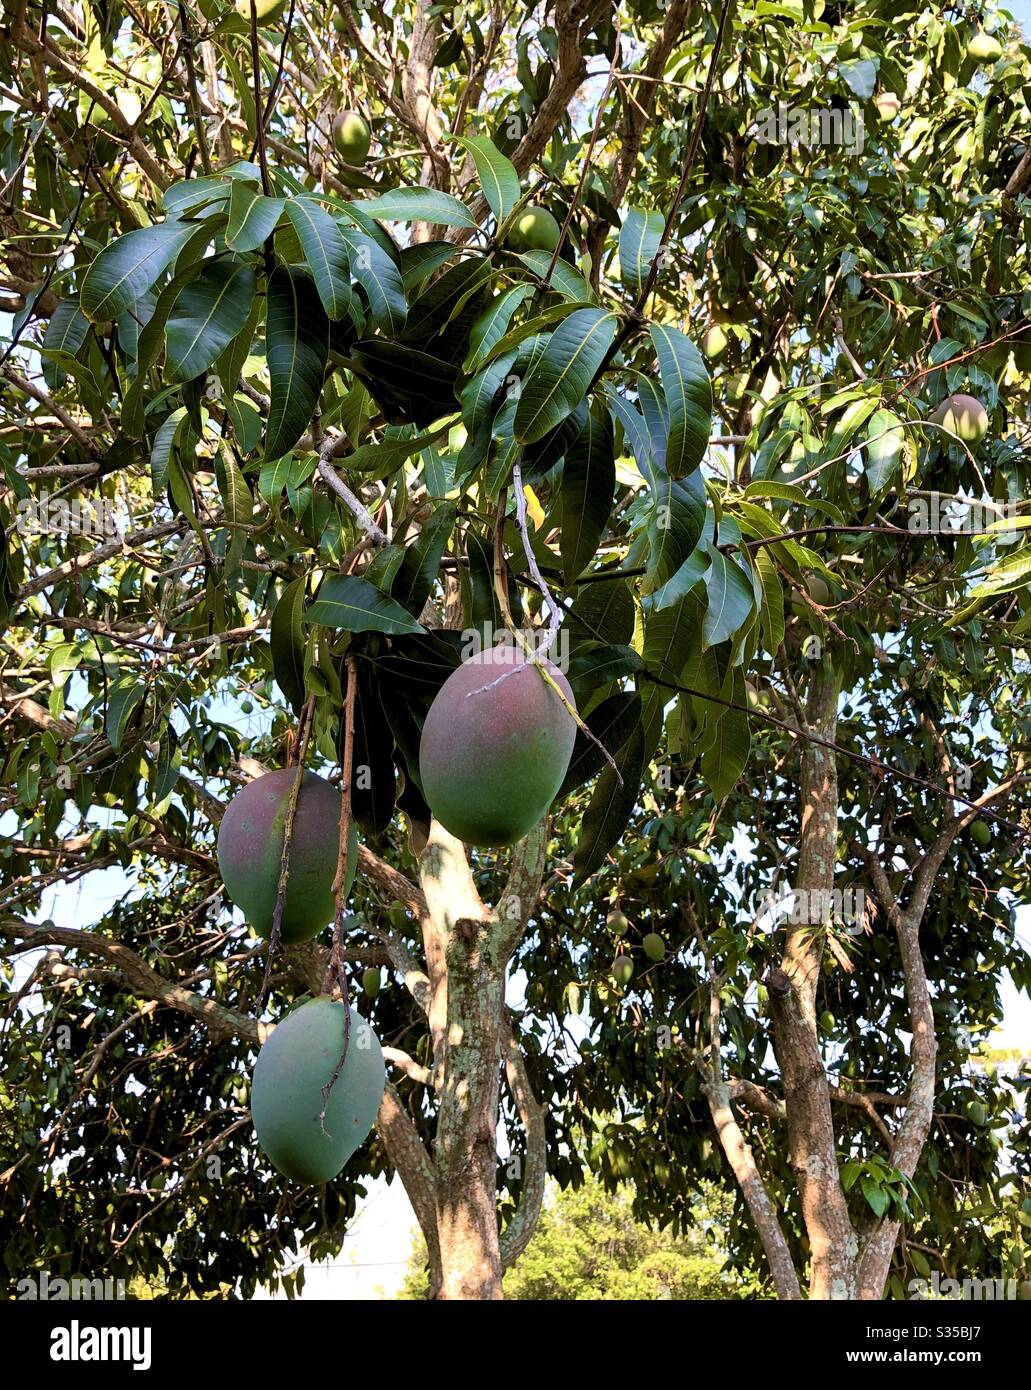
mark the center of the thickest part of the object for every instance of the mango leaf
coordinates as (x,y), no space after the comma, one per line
(610,808)
(347,602)
(326,252)
(405,383)
(190,195)
(688,393)
(237,504)
(588,489)
(730,596)
(497,175)
(379,277)
(165,769)
(883,449)
(207,315)
(125,698)
(639,239)
(417,205)
(559,381)
(493,323)
(723,761)
(670,635)
(680,583)
(287,641)
(252,217)
(375,783)
(603,611)
(612,723)
(566,281)
(675,523)
(297,346)
(66,332)
(165,438)
(421,564)
(598,664)
(126,269)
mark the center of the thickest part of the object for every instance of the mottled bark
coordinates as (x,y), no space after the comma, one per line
(812,1148)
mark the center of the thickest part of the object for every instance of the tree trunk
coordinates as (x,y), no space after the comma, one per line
(834,1246)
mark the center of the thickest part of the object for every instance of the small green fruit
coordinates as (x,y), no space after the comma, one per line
(622,971)
(338,22)
(981,833)
(962,416)
(887,104)
(617,923)
(828,1022)
(268,11)
(654,946)
(371,981)
(976,1113)
(351,138)
(536,229)
(984,48)
(714,344)
(818,589)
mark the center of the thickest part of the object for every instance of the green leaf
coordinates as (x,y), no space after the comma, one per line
(731,598)
(326,252)
(207,315)
(639,239)
(252,217)
(688,393)
(588,489)
(612,723)
(725,757)
(421,565)
(559,381)
(125,698)
(497,175)
(610,808)
(493,323)
(297,345)
(876,1196)
(566,281)
(165,771)
(287,641)
(125,270)
(883,449)
(406,384)
(190,195)
(418,205)
(347,602)
(675,523)
(165,438)
(66,332)
(237,503)
(379,277)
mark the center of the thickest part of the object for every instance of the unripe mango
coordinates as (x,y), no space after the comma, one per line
(622,971)
(617,922)
(984,48)
(351,137)
(268,11)
(250,852)
(536,229)
(494,753)
(286,1091)
(654,946)
(963,416)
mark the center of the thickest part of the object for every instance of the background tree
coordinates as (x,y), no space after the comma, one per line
(589,1245)
(348,416)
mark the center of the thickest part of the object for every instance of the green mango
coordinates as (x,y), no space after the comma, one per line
(295,1063)
(250,853)
(494,752)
